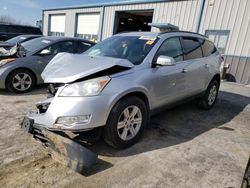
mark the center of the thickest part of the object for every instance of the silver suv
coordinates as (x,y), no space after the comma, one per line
(120,82)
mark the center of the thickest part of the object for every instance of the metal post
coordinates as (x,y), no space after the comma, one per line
(198,20)
(102,22)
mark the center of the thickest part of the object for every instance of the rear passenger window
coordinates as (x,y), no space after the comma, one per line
(191,48)
(65,46)
(172,48)
(208,47)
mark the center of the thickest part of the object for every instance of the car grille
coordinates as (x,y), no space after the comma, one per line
(52,89)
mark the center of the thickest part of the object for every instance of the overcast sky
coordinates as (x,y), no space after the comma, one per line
(29,11)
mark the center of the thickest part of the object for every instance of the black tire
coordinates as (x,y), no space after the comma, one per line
(11,77)
(204,102)
(111,135)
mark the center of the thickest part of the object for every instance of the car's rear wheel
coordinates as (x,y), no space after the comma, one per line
(20,81)
(126,122)
(209,98)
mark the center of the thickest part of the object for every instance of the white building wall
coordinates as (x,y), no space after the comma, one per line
(70,18)
(181,13)
(233,15)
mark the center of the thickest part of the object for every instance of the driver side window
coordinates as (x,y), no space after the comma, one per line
(172,48)
(65,46)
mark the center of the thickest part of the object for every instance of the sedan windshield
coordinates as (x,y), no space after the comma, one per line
(16,39)
(35,44)
(132,48)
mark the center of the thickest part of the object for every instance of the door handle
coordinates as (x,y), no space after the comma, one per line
(206,65)
(184,70)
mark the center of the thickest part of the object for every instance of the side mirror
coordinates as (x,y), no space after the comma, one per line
(45,52)
(165,61)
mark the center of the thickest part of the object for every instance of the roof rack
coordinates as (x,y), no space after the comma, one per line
(184,32)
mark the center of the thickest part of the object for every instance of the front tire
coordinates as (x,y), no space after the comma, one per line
(208,100)
(20,81)
(126,122)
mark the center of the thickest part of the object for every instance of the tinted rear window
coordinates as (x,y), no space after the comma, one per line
(191,48)
(208,47)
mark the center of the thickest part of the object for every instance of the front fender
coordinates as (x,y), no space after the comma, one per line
(118,96)
(18,64)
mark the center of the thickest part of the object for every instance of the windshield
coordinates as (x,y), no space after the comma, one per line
(132,48)
(35,44)
(16,39)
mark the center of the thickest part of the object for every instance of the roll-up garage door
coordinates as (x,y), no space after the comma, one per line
(57,25)
(88,26)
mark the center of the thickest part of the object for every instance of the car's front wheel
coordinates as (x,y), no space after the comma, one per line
(126,122)
(20,81)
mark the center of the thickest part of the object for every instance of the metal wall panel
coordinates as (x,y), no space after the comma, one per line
(233,15)
(164,12)
(229,15)
(70,18)
(179,12)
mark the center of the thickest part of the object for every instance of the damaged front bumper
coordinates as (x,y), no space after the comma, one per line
(63,149)
(75,114)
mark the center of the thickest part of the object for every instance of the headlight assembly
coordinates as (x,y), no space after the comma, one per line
(90,87)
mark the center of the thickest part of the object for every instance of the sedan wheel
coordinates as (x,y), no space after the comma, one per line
(20,81)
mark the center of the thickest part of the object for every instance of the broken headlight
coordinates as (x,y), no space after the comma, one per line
(90,87)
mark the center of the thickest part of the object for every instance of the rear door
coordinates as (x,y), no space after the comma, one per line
(197,70)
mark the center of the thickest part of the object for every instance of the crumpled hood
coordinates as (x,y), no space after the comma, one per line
(66,68)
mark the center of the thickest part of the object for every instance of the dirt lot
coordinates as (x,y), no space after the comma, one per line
(185,147)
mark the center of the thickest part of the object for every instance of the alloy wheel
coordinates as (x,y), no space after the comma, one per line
(212,95)
(22,81)
(129,123)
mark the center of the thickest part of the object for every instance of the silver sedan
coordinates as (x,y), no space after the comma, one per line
(21,73)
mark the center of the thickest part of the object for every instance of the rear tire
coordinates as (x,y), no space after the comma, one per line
(20,81)
(209,98)
(126,122)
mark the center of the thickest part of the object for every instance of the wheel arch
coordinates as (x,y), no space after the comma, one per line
(216,77)
(138,93)
(21,68)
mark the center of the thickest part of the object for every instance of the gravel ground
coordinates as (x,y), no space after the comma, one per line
(184,147)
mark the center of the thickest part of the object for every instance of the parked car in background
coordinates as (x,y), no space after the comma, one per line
(6,46)
(21,74)
(19,39)
(121,81)
(8,31)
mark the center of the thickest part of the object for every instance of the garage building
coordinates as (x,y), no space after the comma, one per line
(225,22)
